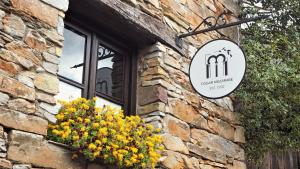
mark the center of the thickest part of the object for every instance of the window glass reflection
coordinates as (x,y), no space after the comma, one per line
(100,102)
(109,80)
(72,56)
(67,92)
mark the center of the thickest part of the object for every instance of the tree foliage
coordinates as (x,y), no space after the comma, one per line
(270,95)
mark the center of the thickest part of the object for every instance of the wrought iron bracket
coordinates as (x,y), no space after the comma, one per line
(214,26)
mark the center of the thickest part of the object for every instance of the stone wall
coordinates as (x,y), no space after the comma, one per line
(30,46)
(197,133)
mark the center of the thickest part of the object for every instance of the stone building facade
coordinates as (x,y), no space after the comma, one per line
(197,133)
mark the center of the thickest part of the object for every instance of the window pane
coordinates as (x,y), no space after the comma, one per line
(109,80)
(67,92)
(100,102)
(73,56)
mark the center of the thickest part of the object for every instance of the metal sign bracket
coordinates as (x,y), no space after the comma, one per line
(215,26)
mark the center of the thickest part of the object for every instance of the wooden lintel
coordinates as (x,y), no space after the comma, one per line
(128,21)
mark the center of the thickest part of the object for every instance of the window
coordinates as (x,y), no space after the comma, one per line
(92,66)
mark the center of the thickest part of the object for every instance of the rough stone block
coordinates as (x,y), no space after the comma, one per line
(47,83)
(51,58)
(61,4)
(219,112)
(155,71)
(3,98)
(37,9)
(33,149)
(34,40)
(21,166)
(22,106)
(50,67)
(225,103)
(14,25)
(153,107)
(45,98)
(173,160)
(174,144)
(23,51)
(207,153)
(1,132)
(187,113)
(5,164)
(168,60)
(9,68)
(239,135)
(152,94)
(2,145)
(177,128)
(20,121)
(53,36)
(217,144)
(222,128)
(25,80)
(15,88)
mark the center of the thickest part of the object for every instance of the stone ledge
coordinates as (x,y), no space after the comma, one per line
(20,121)
(31,148)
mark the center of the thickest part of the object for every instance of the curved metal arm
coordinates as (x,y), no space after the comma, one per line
(215,26)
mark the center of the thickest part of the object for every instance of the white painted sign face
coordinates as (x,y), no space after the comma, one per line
(217,68)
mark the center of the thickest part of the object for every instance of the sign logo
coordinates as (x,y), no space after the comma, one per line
(217,68)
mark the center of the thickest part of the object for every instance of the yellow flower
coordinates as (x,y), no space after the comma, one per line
(71,121)
(71,110)
(99,148)
(141,156)
(85,135)
(108,147)
(104,140)
(60,116)
(87,120)
(103,131)
(85,107)
(79,119)
(128,163)
(98,142)
(115,146)
(161,148)
(82,128)
(96,154)
(56,132)
(120,157)
(64,135)
(92,146)
(134,150)
(75,138)
(51,126)
(120,138)
(96,125)
(98,109)
(98,117)
(102,123)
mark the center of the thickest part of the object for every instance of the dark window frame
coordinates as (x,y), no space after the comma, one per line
(88,86)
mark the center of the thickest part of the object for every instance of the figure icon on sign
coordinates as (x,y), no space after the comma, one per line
(220,60)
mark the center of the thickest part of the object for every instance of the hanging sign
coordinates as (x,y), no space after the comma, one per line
(217,68)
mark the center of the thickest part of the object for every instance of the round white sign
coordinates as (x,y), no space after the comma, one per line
(217,68)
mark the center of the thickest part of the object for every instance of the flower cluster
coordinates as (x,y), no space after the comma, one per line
(106,134)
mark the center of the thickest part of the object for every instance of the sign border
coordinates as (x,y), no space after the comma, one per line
(239,82)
